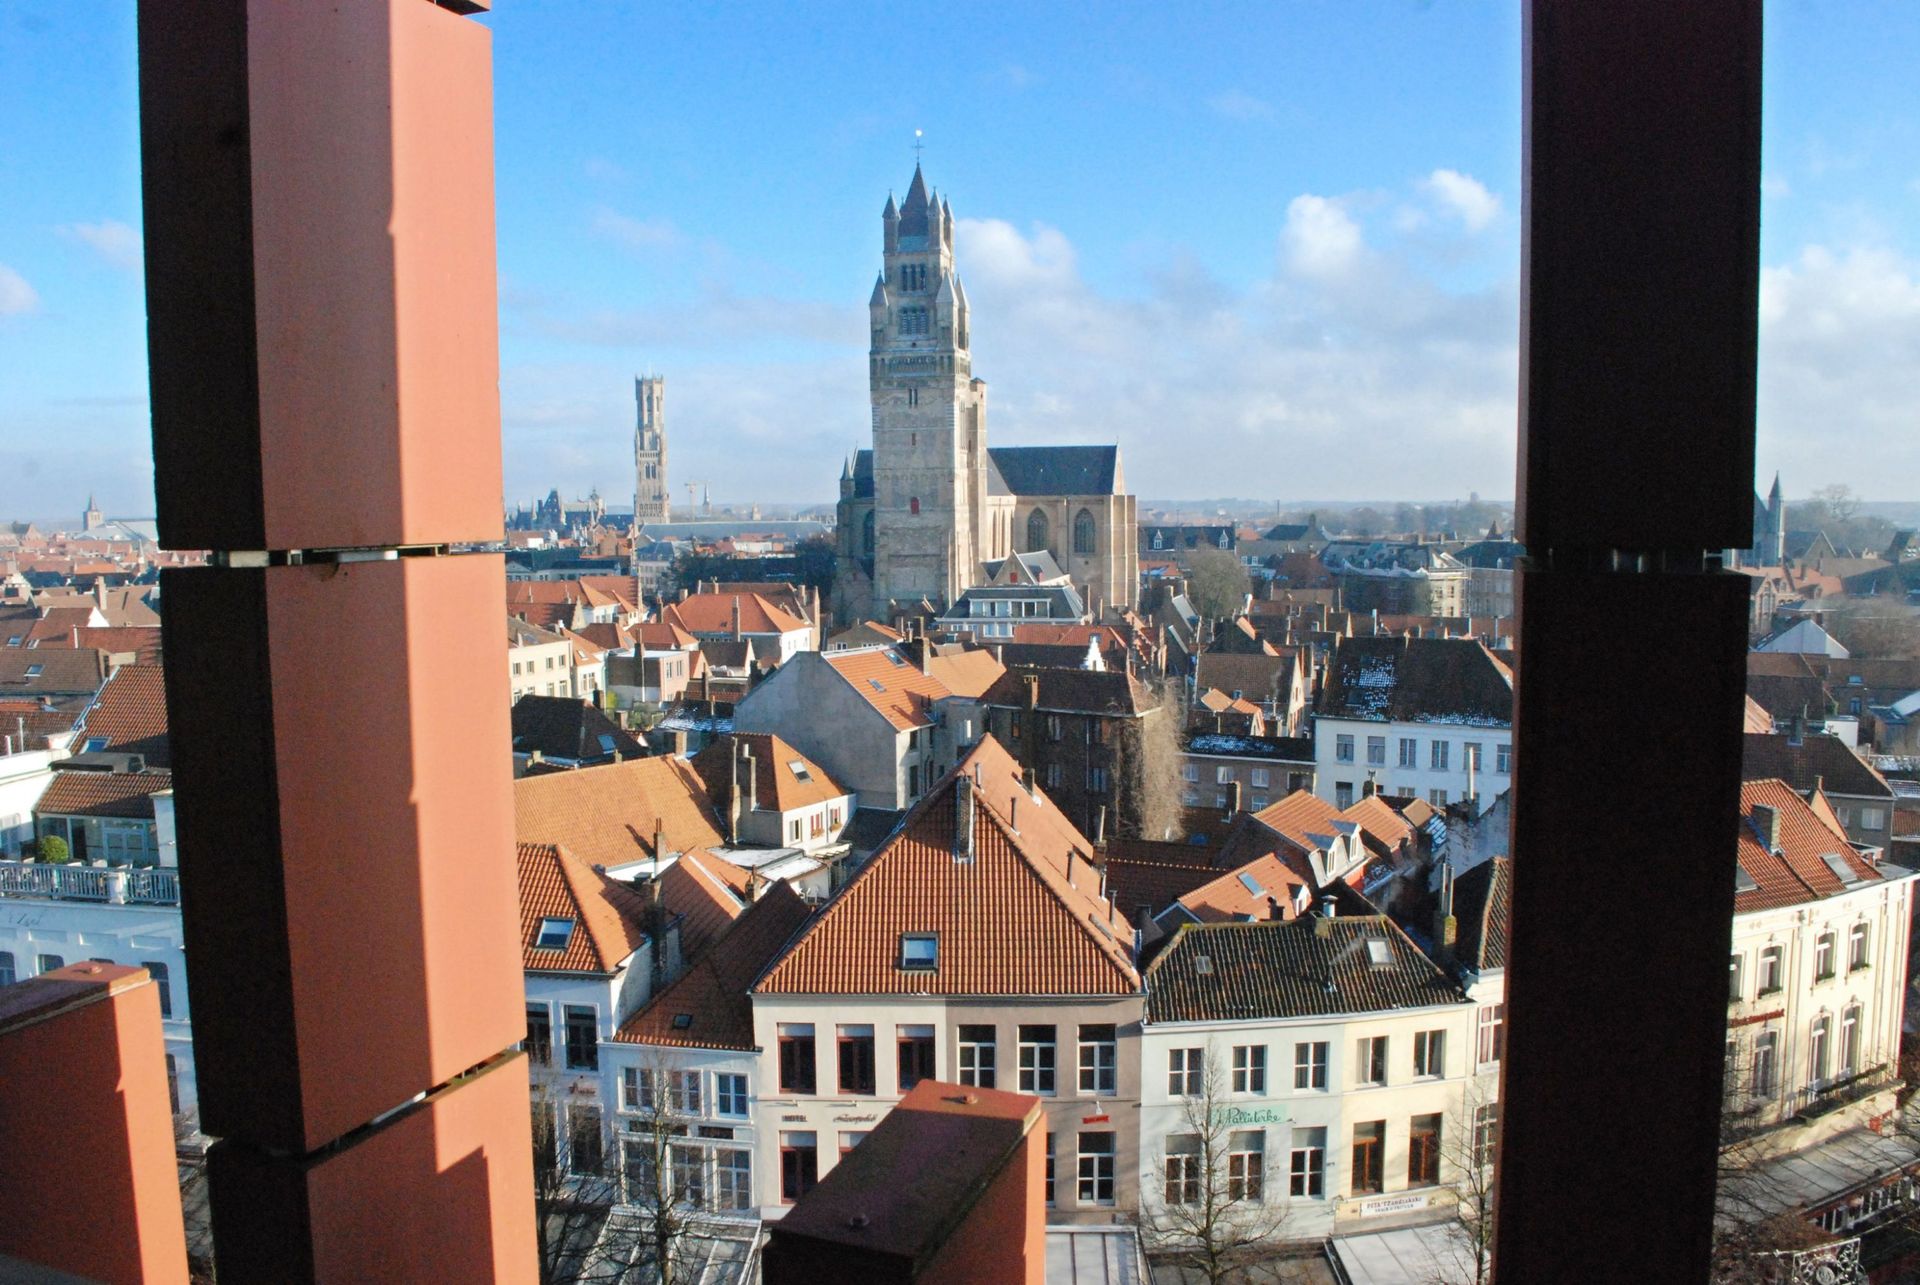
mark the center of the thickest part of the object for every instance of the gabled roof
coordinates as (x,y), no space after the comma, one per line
(1817,757)
(50,671)
(1808,864)
(1379,822)
(1023,917)
(890,683)
(663,635)
(777,785)
(1418,680)
(102,794)
(707,893)
(608,917)
(606,815)
(966,673)
(131,712)
(1483,909)
(1058,470)
(709,1007)
(569,729)
(1299,818)
(712,613)
(1261,889)
(1110,693)
(143,641)
(1133,882)
(1307,967)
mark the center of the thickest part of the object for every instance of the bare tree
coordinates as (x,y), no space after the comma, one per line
(1217,582)
(1212,1215)
(1468,1139)
(1869,627)
(574,1186)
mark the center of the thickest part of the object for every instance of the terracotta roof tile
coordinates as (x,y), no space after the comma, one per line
(606,815)
(1012,921)
(608,917)
(1242,893)
(709,1007)
(1298,817)
(1799,871)
(967,673)
(707,893)
(1379,822)
(131,712)
(102,794)
(777,786)
(712,613)
(890,683)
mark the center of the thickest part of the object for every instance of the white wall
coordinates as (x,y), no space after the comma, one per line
(23,779)
(1420,780)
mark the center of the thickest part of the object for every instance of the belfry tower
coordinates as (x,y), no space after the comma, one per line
(929,412)
(650,497)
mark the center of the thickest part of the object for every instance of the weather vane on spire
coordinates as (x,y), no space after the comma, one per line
(917,145)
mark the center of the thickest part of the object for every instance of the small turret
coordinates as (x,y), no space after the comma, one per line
(946,221)
(877,304)
(890,226)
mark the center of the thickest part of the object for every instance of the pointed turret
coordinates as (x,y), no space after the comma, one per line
(913,210)
(878,299)
(890,226)
(891,212)
(946,219)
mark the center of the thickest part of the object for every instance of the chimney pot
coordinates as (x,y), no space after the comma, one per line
(1327,910)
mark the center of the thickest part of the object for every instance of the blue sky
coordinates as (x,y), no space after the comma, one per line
(1270,249)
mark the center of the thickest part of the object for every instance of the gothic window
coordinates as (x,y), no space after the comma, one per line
(866,534)
(1083,533)
(913,276)
(913,396)
(1036,531)
(913,321)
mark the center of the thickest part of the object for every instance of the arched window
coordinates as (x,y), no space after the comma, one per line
(913,505)
(866,534)
(1036,531)
(1083,532)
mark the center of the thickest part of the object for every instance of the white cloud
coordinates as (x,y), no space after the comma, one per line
(636,234)
(116,242)
(1462,196)
(1840,366)
(1236,104)
(1319,239)
(16,296)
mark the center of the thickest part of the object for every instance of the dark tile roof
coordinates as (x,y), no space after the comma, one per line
(863,474)
(1074,691)
(1282,749)
(1058,470)
(708,1007)
(566,728)
(1482,908)
(1817,756)
(1789,695)
(870,827)
(56,671)
(1256,676)
(1156,885)
(1418,680)
(1307,967)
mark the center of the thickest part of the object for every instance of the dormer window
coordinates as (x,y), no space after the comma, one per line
(919,952)
(799,770)
(554,934)
(34,671)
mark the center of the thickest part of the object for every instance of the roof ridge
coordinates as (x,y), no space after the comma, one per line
(1108,945)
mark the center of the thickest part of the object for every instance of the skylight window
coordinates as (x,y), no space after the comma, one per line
(799,770)
(1251,884)
(896,659)
(682,1021)
(1203,965)
(1841,870)
(33,671)
(1742,881)
(95,744)
(1379,953)
(875,683)
(919,952)
(554,934)
(606,742)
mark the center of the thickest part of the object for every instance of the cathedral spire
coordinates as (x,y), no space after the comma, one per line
(913,210)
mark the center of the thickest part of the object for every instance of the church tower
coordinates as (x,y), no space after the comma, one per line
(929,412)
(650,503)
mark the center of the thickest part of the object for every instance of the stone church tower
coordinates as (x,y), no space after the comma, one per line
(650,502)
(929,412)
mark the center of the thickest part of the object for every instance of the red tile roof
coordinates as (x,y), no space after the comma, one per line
(708,893)
(712,613)
(709,1007)
(606,815)
(1243,893)
(1023,917)
(131,712)
(1298,817)
(890,683)
(1379,822)
(777,787)
(102,794)
(1797,871)
(608,917)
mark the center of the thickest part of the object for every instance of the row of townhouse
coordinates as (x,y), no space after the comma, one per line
(1340,1065)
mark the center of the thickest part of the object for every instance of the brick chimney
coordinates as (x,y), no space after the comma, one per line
(1446,929)
(963,817)
(736,617)
(1766,823)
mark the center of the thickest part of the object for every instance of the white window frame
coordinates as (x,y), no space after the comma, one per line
(1250,1069)
(1310,1059)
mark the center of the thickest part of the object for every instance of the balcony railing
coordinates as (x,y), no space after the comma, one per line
(107,885)
(1835,1264)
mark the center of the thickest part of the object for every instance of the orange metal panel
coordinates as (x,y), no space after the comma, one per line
(390,743)
(371,144)
(97,1143)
